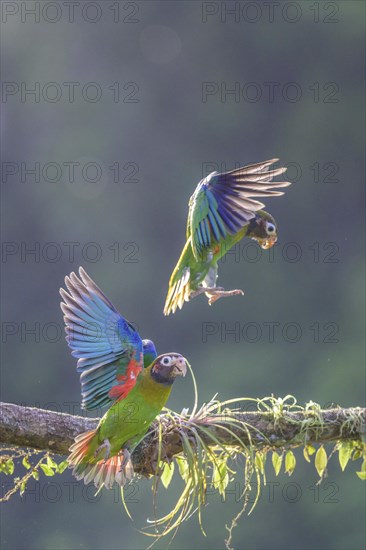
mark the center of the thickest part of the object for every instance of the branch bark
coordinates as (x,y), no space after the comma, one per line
(55,432)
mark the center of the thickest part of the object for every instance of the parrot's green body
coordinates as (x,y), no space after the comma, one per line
(119,369)
(221,213)
(135,412)
(208,260)
(127,421)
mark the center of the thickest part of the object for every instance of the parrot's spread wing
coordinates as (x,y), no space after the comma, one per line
(224,203)
(108,348)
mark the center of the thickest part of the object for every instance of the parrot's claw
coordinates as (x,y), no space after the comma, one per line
(126,458)
(125,472)
(205,289)
(215,295)
(105,445)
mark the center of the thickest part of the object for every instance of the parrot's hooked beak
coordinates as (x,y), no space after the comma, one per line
(180,367)
(268,242)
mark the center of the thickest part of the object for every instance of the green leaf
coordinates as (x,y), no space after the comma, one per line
(9,466)
(311,450)
(62,466)
(26,463)
(167,474)
(357,454)
(277,462)
(22,488)
(259,462)
(183,467)
(362,473)
(51,463)
(47,470)
(290,462)
(344,454)
(308,451)
(35,475)
(220,477)
(321,461)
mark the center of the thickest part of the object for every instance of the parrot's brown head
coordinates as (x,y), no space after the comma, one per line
(263,229)
(167,367)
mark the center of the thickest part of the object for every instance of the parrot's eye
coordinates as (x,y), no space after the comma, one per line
(166,361)
(270,228)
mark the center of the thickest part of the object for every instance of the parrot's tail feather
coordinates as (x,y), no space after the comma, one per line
(117,468)
(80,447)
(178,293)
(79,451)
(106,472)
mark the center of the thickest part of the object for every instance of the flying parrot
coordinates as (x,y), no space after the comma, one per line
(222,210)
(116,368)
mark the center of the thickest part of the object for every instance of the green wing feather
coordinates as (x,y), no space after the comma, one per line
(179,282)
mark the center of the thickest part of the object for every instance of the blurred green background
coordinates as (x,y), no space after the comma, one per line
(161,54)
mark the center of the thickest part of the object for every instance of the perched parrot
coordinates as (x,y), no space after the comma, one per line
(116,367)
(222,212)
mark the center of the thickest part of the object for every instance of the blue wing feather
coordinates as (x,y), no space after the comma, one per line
(105,344)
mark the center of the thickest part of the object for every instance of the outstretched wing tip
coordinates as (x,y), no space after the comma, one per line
(84,276)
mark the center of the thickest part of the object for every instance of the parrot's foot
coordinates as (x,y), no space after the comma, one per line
(203,289)
(215,294)
(125,471)
(126,458)
(105,445)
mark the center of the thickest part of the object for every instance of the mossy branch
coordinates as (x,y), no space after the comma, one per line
(274,427)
